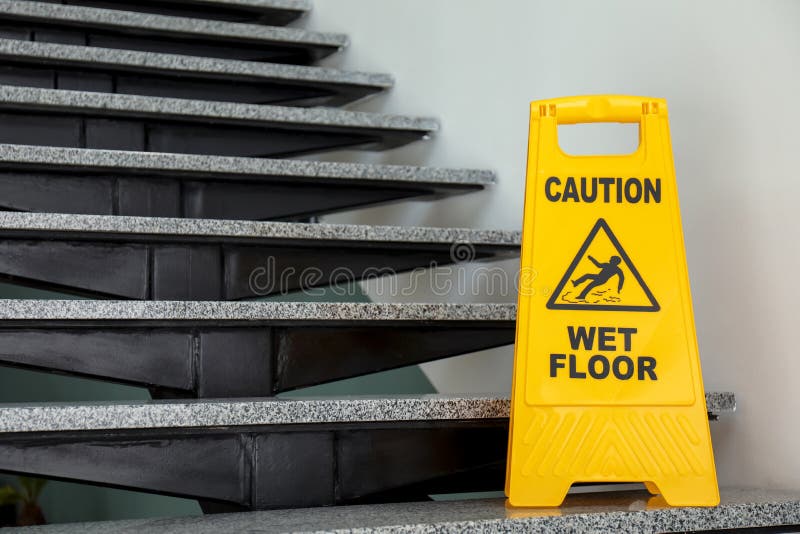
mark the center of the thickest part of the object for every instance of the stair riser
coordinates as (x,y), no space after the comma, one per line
(273,453)
(138,269)
(204,361)
(45,31)
(193,9)
(279,467)
(79,119)
(71,128)
(53,75)
(150,195)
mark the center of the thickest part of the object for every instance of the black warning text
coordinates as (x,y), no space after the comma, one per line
(595,353)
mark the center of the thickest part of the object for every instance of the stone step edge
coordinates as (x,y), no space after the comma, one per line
(249,311)
(199,167)
(627,511)
(130,20)
(43,417)
(131,228)
(76,55)
(163,108)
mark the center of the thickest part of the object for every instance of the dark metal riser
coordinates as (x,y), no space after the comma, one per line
(193,9)
(216,268)
(83,129)
(238,359)
(106,79)
(146,193)
(275,467)
(64,32)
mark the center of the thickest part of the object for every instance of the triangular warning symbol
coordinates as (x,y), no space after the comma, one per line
(602,277)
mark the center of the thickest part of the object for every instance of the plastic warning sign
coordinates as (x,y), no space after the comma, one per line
(607,382)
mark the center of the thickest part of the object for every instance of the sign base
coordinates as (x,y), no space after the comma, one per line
(661,447)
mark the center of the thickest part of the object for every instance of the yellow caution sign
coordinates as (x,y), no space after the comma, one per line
(607,382)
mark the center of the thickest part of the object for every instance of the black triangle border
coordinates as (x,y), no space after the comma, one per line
(601,223)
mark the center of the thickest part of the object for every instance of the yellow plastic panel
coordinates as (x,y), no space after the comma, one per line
(607,382)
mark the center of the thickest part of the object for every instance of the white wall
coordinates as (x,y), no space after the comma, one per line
(731,73)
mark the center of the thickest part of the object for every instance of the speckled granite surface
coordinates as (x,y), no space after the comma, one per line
(121,225)
(212,29)
(21,309)
(721,401)
(181,414)
(242,168)
(35,417)
(186,65)
(179,108)
(618,512)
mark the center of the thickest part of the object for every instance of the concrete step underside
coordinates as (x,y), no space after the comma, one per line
(112,28)
(109,182)
(270,12)
(106,70)
(80,119)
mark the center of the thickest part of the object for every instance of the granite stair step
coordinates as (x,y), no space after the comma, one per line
(635,512)
(82,119)
(219,349)
(270,12)
(61,66)
(106,182)
(128,30)
(203,259)
(260,454)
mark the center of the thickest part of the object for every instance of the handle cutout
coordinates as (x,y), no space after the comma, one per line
(599,138)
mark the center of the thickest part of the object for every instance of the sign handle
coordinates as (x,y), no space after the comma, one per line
(601,108)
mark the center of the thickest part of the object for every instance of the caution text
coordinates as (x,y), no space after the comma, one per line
(603,189)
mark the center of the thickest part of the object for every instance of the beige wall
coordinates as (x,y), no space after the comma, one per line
(731,73)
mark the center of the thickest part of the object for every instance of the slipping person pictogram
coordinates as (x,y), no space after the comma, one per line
(607,270)
(598,292)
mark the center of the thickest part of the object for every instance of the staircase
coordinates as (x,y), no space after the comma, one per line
(138,168)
